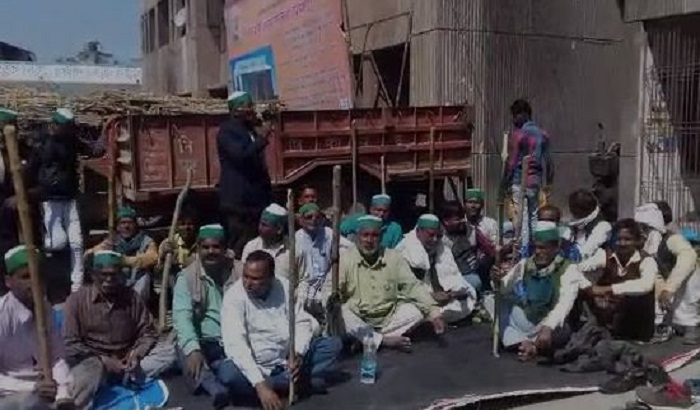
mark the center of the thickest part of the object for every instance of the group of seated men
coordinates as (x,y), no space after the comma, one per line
(231,325)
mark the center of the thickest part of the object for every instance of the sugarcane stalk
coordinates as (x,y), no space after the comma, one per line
(25,221)
(291,296)
(168,264)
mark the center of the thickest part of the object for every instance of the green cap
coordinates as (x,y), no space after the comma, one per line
(214,231)
(475,193)
(239,99)
(16,258)
(274,215)
(126,212)
(7,115)
(63,116)
(309,207)
(103,259)
(546,231)
(428,221)
(381,199)
(369,221)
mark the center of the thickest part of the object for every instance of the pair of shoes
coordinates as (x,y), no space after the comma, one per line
(670,396)
(691,335)
(662,334)
(624,383)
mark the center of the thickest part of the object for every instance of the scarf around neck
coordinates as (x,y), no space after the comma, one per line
(131,246)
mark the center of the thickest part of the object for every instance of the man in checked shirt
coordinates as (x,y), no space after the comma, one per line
(527,139)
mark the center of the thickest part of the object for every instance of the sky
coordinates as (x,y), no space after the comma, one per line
(58,28)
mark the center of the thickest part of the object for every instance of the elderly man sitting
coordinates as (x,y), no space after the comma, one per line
(271,239)
(381,297)
(140,251)
(435,265)
(539,293)
(313,253)
(109,334)
(256,337)
(21,386)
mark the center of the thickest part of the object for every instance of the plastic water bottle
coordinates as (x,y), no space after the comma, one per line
(368,365)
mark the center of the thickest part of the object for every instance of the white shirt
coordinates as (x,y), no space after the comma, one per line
(588,245)
(647,270)
(489,227)
(314,260)
(448,273)
(255,332)
(571,281)
(279,252)
(19,350)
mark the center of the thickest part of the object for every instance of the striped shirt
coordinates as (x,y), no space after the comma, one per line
(533,141)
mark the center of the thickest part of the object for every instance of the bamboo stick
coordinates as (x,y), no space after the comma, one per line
(355,155)
(168,265)
(25,221)
(291,296)
(431,172)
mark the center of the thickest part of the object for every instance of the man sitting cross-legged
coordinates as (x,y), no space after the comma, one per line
(433,263)
(539,293)
(255,332)
(21,386)
(198,294)
(109,334)
(381,296)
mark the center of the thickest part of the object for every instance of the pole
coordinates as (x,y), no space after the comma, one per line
(496,331)
(334,313)
(168,265)
(355,155)
(521,200)
(431,172)
(348,44)
(383,170)
(291,296)
(25,221)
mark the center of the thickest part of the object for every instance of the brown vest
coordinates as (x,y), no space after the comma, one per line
(629,317)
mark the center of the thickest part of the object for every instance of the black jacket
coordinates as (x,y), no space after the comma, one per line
(244,180)
(53,165)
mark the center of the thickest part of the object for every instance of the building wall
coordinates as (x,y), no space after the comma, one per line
(193,63)
(577,62)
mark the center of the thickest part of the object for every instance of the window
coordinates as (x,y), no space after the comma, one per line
(163,23)
(144,35)
(151,29)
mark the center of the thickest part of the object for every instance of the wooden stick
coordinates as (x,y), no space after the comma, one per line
(431,172)
(383,170)
(521,198)
(355,155)
(112,187)
(335,244)
(496,331)
(25,221)
(168,265)
(292,286)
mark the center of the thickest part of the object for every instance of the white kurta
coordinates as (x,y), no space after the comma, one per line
(571,281)
(314,261)
(19,350)
(448,273)
(587,244)
(255,332)
(279,252)
(489,227)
